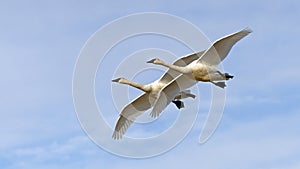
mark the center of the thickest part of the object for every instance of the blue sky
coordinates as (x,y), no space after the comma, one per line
(40,42)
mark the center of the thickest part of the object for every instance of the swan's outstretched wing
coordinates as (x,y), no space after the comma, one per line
(168,93)
(171,74)
(220,48)
(130,112)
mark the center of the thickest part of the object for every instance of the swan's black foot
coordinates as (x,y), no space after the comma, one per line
(220,84)
(228,76)
(179,104)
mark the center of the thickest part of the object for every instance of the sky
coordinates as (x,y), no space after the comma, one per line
(39,46)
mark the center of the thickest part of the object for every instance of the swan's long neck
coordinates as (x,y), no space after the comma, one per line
(179,69)
(136,85)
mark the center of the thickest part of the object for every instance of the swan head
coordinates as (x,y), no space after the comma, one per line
(154,61)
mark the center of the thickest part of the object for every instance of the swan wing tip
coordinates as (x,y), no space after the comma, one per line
(248,30)
(153,114)
(117,135)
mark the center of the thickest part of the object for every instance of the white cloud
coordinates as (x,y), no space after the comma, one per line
(54,153)
(267,143)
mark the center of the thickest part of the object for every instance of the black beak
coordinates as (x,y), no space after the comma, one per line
(116,80)
(151,61)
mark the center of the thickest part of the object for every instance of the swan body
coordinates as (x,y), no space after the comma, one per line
(202,69)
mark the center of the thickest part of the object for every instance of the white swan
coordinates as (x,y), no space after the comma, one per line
(147,99)
(202,69)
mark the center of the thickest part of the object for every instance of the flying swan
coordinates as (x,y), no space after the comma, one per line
(203,69)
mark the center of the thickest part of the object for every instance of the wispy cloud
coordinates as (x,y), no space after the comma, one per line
(52,154)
